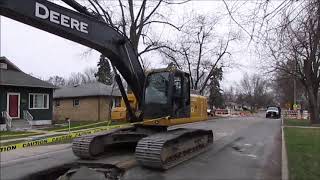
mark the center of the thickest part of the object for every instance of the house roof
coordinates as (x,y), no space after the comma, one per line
(10,65)
(13,76)
(85,90)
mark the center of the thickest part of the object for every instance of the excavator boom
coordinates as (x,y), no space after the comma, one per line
(163,96)
(83,29)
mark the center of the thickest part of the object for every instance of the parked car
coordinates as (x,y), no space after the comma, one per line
(273,112)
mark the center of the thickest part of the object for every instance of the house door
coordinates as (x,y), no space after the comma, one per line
(13,105)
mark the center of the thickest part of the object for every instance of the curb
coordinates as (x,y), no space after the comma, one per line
(304,127)
(284,160)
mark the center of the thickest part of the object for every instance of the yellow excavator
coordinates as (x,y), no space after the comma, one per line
(198,109)
(162,96)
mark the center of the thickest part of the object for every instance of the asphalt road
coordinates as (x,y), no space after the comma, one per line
(244,148)
(251,153)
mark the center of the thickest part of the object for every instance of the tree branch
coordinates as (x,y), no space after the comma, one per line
(162,22)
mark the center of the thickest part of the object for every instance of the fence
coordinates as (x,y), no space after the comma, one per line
(27,116)
(296,114)
(7,118)
(222,112)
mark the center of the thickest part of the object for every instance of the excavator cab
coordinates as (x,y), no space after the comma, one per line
(167,93)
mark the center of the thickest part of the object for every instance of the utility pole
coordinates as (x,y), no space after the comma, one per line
(294,91)
(295,85)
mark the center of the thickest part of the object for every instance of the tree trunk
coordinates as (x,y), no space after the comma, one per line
(313,106)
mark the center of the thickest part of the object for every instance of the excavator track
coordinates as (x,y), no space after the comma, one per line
(93,146)
(168,149)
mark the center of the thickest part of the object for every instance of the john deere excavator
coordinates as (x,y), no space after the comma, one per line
(163,95)
(198,103)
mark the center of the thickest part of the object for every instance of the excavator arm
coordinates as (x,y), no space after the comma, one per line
(167,90)
(84,28)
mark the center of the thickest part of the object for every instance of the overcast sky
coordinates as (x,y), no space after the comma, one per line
(44,55)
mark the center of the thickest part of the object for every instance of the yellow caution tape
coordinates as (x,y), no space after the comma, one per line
(57,138)
(60,138)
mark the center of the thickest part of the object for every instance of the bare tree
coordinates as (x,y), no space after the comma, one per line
(135,19)
(288,32)
(198,51)
(88,75)
(295,49)
(254,91)
(74,79)
(229,94)
(85,77)
(57,81)
(285,90)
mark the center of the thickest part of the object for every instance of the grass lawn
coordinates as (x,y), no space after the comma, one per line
(296,122)
(77,125)
(4,135)
(20,135)
(9,133)
(303,149)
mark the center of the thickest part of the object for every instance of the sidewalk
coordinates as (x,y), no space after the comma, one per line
(306,127)
(284,157)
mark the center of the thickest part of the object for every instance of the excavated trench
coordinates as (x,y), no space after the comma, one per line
(89,170)
(80,171)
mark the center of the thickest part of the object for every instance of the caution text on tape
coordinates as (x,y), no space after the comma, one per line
(61,138)
(56,138)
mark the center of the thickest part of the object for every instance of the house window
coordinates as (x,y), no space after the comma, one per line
(38,101)
(76,102)
(3,66)
(116,102)
(57,103)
